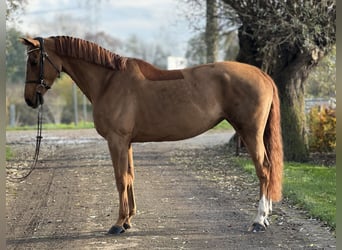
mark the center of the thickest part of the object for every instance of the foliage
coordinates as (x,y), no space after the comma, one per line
(230,45)
(15,56)
(25,115)
(309,187)
(227,18)
(105,40)
(151,52)
(216,39)
(322,80)
(322,129)
(60,97)
(196,50)
(14,6)
(274,27)
(304,27)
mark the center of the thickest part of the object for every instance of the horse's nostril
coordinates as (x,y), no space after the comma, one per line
(28,102)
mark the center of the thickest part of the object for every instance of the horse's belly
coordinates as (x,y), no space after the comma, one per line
(174,131)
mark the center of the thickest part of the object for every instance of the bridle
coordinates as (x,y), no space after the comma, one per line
(41,82)
(43,56)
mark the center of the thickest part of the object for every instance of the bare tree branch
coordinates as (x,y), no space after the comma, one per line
(308,26)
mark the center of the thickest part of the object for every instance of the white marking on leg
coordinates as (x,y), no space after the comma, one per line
(270,206)
(267,222)
(263,210)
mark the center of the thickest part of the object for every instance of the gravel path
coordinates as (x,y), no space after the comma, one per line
(188,197)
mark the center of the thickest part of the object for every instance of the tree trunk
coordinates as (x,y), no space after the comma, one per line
(291,93)
(289,74)
(211,31)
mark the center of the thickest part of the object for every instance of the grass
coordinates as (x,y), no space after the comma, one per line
(50,126)
(310,187)
(9,153)
(223,126)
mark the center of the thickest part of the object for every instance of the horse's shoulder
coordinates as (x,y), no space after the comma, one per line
(152,73)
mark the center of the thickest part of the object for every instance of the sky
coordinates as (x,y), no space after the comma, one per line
(158,21)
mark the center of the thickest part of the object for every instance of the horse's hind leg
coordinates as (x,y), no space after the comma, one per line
(130,189)
(257,151)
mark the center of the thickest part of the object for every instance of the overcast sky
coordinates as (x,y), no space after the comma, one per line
(151,20)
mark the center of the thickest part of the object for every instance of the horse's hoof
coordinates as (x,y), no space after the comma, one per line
(116,230)
(256,227)
(126,226)
(266,222)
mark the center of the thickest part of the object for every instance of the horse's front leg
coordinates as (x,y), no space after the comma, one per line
(118,148)
(130,189)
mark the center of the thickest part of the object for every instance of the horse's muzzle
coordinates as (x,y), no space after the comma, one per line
(36,102)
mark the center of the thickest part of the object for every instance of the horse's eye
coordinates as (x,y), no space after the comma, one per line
(33,61)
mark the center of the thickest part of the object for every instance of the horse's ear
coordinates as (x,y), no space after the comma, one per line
(29,41)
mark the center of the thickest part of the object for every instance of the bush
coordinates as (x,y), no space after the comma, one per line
(322,129)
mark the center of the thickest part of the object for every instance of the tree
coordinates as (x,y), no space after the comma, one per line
(219,31)
(287,39)
(230,45)
(321,82)
(14,6)
(151,52)
(105,40)
(15,57)
(211,30)
(196,50)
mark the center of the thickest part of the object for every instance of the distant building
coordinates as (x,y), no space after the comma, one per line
(174,62)
(321,102)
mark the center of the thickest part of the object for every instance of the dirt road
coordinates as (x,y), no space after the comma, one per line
(70,201)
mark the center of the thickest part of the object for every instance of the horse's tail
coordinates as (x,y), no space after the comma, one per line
(274,148)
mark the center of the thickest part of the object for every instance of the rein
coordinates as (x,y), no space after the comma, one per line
(37,150)
(41,81)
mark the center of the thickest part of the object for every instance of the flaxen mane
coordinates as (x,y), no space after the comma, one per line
(88,51)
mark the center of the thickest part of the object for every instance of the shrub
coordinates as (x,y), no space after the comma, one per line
(322,129)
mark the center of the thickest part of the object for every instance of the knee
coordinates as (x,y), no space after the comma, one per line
(121,183)
(124,182)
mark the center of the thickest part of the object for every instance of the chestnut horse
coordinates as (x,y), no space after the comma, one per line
(134,101)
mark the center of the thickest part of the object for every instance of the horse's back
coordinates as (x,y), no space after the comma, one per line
(227,71)
(233,80)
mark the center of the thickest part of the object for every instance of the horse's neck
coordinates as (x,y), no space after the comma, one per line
(88,77)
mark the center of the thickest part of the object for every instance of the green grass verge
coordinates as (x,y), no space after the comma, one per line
(80,125)
(9,153)
(310,187)
(223,126)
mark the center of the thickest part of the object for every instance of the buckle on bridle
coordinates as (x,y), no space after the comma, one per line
(43,84)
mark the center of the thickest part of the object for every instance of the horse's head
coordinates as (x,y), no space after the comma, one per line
(42,68)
